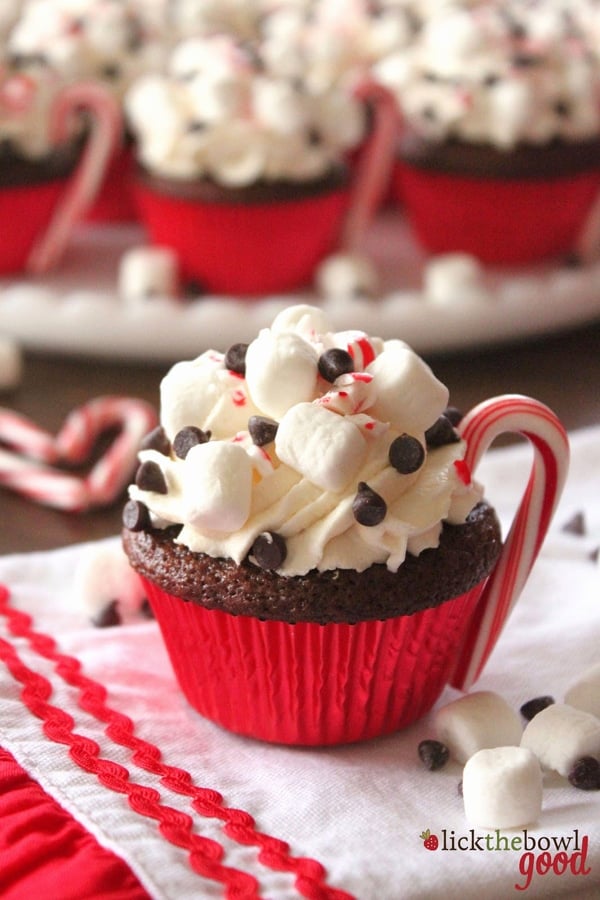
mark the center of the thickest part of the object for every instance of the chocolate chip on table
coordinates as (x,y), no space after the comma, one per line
(369,507)
(157,440)
(269,550)
(406,454)
(576,525)
(442,432)
(536,705)
(136,516)
(433,754)
(189,437)
(149,477)
(262,430)
(235,358)
(335,362)
(108,616)
(585,774)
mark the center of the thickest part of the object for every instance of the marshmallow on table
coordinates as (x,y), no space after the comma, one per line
(560,735)
(585,692)
(146,273)
(453,279)
(477,721)
(502,788)
(347,275)
(103,577)
(11,364)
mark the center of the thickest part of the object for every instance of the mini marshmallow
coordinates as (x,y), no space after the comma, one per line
(347,275)
(559,735)
(453,279)
(477,721)
(11,364)
(148,272)
(281,370)
(325,447)
(101,577)
(409,396)
(217,484)
(585,692)
(502,788)
(204,393)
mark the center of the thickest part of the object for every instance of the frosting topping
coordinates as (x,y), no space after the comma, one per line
(499,73)
(324,471)
(219,112)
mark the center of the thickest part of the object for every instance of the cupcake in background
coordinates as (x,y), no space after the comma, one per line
(243,171)
(499,154)
(106,41)
(56,141)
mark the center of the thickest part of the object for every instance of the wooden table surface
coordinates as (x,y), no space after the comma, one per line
(562,370)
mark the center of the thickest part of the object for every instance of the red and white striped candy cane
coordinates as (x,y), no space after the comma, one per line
(375,165)
(532,419)
(28,472)
(104,137)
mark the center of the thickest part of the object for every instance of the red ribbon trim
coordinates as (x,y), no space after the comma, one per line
(204,855)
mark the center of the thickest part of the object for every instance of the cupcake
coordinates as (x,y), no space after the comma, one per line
(309,535)
(111,43)
(500,148)
(50,164)
(242,171)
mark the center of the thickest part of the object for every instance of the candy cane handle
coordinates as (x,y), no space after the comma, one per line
(375,164)
(534,421)
(102,141)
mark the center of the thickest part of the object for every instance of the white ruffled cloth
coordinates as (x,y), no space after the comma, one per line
(359,810)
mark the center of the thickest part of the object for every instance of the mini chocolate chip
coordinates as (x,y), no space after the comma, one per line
(235,358)
(459,788)
(110,70)
(146,610)
(573,260)
(454,415)
(262,430)
(189,437)
(149,477)
(157,440)
(533,707)
(406,454)
(441,432)
(136,516)
(433,754)
(335,362)
(108,616)
(585,774)
(269,550)
(576,525)
(594,555)
(369,507)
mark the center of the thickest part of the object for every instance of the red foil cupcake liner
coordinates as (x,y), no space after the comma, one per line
(245,249)
(309,684)
(27,211)
(498,221)
(116,198)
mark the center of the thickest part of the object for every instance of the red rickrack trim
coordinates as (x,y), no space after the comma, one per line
(175,826)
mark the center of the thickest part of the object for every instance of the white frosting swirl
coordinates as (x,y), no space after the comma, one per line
(331,436)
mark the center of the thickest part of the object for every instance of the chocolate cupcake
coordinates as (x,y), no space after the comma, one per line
(311,539)
(242,169)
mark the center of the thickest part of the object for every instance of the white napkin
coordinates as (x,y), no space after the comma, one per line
(358,809)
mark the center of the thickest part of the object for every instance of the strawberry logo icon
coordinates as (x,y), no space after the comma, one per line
(430,841)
